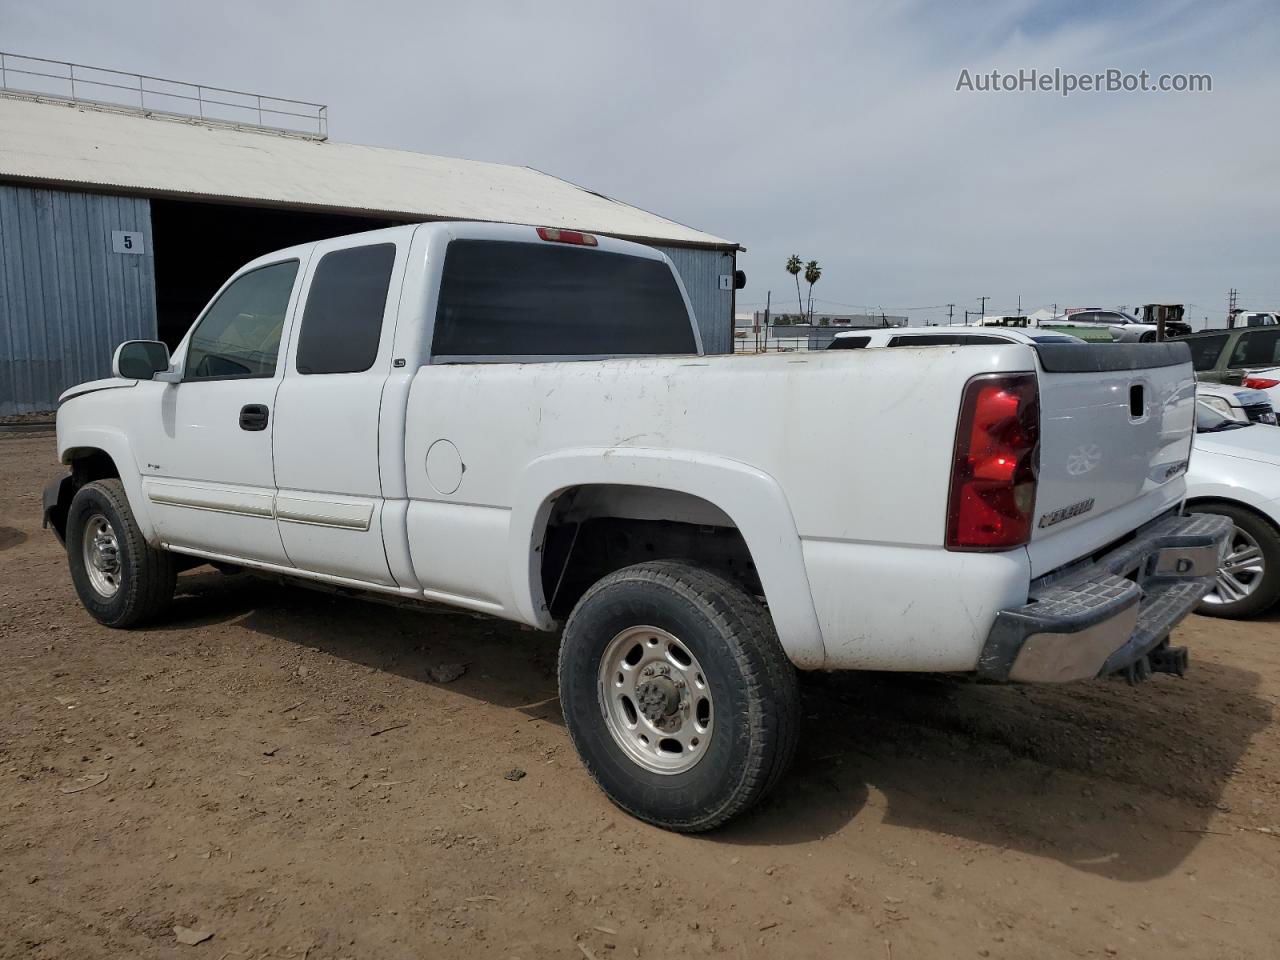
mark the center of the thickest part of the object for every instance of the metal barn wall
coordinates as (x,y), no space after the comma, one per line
(712,307)
(66,300)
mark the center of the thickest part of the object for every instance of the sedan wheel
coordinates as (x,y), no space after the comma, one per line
(1241,568)
(1248,578)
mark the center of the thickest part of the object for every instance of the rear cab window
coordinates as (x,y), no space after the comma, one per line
(944,339)
(1206,350)
(504,299)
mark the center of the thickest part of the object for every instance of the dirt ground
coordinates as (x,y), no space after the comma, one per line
(281,770)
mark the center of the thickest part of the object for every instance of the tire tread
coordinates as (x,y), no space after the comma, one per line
(770,678)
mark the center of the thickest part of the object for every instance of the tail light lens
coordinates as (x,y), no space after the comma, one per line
(993,472)
(1261,383)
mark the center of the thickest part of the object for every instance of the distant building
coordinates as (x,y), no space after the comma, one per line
(121,220)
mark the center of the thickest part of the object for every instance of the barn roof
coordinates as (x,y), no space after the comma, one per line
(84,146)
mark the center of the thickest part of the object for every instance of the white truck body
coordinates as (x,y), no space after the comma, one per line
(435,480)
(521,422)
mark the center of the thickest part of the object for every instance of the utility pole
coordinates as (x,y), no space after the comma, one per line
(1019,304)
(1231,307)
(983,312)
(768,302)
(1055,309)
(950,310)
(966,318)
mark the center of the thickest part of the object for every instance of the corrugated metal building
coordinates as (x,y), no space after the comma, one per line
(117,224)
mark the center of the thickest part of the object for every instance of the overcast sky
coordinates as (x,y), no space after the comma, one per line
(834,131)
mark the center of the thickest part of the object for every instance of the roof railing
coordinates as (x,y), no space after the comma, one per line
(77,83)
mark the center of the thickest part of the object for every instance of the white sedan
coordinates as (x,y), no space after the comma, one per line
(1245,404)
(943,337)
(1235,472)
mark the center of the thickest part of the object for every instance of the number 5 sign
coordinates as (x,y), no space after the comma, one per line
(125,241)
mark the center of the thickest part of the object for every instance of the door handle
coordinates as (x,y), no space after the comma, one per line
(253,416)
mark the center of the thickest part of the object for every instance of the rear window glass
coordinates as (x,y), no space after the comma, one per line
(1205,350)
(1257,348)
(342,323)
(506,299)
(943,339)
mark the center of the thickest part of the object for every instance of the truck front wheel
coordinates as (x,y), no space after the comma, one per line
(677,695)
(119,578)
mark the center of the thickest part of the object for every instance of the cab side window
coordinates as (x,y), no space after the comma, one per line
(1257,348)
(342,322)
(239,336)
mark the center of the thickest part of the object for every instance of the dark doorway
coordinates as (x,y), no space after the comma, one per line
(199,245)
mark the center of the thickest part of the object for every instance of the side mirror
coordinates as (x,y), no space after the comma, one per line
(140,359)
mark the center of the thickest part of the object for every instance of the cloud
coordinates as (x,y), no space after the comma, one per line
(832,132)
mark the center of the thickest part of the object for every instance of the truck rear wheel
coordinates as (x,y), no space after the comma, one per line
(120,579)
(677,695)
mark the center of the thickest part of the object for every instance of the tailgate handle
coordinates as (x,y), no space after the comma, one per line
(1137,402)
(253,416)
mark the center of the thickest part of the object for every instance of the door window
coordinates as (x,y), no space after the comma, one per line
(239,336)
(342,322)
(1257,348)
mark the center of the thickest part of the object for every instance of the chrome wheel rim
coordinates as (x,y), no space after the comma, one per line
(1240,569)
(656,700)
(101,552)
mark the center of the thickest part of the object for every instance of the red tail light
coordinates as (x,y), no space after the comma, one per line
(556,235)
(993,472)
(1261,383)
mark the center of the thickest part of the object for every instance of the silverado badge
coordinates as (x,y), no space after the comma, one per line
(1066,513)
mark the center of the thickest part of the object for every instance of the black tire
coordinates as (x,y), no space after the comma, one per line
(752,685)
(1148,337)
(1264,596)
(145,576)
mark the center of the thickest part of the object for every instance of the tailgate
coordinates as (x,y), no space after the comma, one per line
(1116,422)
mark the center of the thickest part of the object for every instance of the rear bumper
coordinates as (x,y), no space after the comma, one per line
(1111,614)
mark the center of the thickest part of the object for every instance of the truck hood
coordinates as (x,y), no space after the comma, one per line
(1259,442)
(93,386)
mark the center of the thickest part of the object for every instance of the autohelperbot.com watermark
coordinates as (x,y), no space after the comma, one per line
(1065,82)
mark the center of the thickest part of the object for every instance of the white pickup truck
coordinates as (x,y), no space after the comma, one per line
(520,421)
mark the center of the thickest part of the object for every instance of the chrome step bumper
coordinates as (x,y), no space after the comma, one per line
(1109,614)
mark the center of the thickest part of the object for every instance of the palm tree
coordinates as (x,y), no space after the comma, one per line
(812,274)
(793,268)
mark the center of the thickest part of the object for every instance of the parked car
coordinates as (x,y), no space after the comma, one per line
(1256,318)
(1237,403)
(1267,380)
(944,336)
(1120,326)
(520,421)
(1235,473)
(1231,356)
